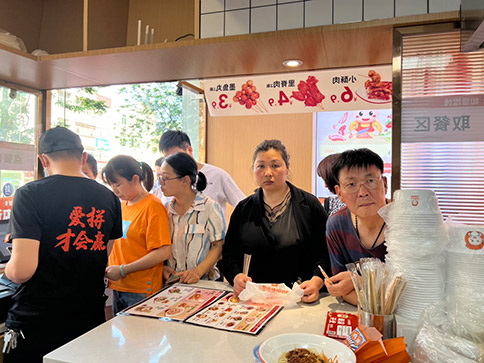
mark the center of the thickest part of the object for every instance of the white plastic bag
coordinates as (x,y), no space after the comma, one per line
(272,294)
(451,331)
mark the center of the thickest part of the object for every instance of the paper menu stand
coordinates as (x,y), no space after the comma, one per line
(339,324)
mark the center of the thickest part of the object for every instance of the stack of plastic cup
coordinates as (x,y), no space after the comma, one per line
(416,241)
(465,262)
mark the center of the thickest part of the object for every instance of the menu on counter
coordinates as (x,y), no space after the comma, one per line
(205,307)
(229,314)
(176,302)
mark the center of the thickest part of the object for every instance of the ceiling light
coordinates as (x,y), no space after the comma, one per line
(292,63)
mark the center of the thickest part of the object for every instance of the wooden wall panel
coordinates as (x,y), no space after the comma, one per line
(61,29)
(22,18)
(231,142)
(108,23)
(171,19)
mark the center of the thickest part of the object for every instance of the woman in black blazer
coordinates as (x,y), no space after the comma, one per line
(280,225)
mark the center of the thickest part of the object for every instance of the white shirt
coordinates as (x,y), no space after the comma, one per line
(221,187)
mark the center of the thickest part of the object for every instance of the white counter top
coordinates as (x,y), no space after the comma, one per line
(140,339)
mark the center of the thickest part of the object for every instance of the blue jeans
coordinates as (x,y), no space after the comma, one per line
(121,300)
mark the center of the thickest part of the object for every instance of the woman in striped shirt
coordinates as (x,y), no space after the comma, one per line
(197,223)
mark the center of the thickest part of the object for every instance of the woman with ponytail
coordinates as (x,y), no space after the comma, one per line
(135,266)
(197,223)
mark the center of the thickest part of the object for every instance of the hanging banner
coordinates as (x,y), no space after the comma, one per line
(443,119)
(309,91)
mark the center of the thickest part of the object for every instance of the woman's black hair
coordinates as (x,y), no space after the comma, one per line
(277,145)
(325,171)
(126,167)
(184,165)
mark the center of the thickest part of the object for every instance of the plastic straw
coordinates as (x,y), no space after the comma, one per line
(146,33)
(138,38)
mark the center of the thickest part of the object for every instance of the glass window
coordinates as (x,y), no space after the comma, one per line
(126,119)
(18,120)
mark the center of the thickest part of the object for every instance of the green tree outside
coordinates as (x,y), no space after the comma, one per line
(17,122)
(150,109)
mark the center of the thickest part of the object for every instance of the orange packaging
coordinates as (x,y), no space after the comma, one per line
(340,325)
(367,344)
(370,348)
(396,350)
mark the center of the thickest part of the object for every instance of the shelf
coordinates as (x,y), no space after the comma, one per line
(335,46)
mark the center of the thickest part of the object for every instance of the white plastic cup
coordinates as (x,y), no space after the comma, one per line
(415,201)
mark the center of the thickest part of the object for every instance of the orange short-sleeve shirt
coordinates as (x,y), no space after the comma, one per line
(145,228)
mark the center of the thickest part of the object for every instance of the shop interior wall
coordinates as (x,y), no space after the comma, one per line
(23,19)
(170,19)
(56,26)
(62,25)
(232,140)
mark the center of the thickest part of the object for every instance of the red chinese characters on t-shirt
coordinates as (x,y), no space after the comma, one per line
(94,219)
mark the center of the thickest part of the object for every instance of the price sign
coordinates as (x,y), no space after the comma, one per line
(315,91)
(222,102)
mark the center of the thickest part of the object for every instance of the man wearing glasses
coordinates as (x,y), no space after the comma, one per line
(357,230)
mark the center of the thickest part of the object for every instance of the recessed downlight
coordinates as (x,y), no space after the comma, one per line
(292,63)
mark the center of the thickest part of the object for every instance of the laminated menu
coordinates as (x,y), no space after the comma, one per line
(206,307)
(228,313)
(177,302)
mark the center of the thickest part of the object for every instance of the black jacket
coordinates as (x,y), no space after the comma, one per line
(247,233)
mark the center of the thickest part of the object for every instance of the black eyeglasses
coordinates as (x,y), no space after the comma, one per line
(162,179)
(370,184)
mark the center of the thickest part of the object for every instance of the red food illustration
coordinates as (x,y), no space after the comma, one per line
(341,130)
(308,92)
(336,137)
(376,89)
(248,97)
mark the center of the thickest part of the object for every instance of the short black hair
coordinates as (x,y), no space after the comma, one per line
(172,138)
(66,155)
(91,161)
(359,158)
(159,161)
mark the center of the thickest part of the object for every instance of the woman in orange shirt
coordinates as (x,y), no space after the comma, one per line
(135,265)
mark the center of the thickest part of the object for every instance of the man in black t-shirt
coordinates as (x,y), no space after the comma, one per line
(62,229)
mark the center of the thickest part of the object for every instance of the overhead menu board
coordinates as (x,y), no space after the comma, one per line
(301,92)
